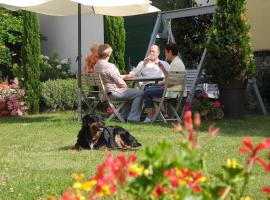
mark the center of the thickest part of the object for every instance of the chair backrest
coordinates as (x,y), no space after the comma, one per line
(92,85)
(176,78)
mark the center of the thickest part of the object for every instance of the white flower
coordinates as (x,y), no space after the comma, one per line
(64,61)
(59,66)
(45,57)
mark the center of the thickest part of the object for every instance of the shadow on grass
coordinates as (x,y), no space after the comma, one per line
(251,125)
(24,119)
(72,148)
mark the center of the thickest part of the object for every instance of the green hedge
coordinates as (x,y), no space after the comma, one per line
(59,94)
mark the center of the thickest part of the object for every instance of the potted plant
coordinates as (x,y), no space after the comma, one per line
(229,60)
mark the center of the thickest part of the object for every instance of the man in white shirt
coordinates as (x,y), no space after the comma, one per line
(149,66)
(171,53)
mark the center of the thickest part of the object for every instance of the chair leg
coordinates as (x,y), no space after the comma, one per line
(158,112)
(175,114)
(116,113)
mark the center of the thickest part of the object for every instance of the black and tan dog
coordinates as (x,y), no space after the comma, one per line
(94,135)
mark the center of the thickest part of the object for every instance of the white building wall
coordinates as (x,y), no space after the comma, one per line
(62,35)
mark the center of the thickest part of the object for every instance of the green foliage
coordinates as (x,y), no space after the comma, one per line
(229,56)
(189,32)
(30,69)
(53,68)
(59,94)
(157,159)
(5,61)
(115,35)
(11,30)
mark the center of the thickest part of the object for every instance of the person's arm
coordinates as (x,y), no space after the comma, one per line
(137,70)
(115,75)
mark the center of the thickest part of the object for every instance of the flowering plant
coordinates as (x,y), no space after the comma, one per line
(159,172)
(53,68)
(208,109)
(12,99)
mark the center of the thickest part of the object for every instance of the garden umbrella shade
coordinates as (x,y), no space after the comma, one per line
(76,7)
(70,7)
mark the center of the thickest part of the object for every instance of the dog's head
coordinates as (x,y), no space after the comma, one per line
(88,119)
(95,131)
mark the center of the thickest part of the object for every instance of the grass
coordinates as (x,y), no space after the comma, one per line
(35,160)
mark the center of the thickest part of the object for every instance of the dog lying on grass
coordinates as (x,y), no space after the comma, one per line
(95,135)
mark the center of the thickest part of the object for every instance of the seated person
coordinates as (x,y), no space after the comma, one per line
(149,66)
(91,59)
(115,85)
(171,53)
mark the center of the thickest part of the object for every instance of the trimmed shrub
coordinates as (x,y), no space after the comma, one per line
(59,94)
(30,69)
(229,56)
(115,35)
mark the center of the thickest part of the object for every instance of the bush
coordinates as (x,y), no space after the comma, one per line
(59,94)
(229,56)
(11,31)
(115,35)
(13,99)
(53,68)
(30,70)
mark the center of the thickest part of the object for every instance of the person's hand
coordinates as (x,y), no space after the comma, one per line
(130,75)
(160,65)
(145,61)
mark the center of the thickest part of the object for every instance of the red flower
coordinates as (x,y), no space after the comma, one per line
(187,107)
(266,190)
(159,190)
(252,151)
(217,104)
(197,120)
(264,165)
(184,176)
(69,195)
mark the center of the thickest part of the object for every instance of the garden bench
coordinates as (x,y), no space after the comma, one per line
(211,89)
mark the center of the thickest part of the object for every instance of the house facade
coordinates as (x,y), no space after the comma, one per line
(62,35)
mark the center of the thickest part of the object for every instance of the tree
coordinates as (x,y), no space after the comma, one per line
(229,56)
(189,32)
(116,37)
(30,69)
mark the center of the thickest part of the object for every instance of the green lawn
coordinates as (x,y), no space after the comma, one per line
(35,162)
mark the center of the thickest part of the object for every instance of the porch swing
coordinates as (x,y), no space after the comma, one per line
(194,75)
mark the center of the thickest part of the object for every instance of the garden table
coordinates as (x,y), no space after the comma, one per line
(136,80)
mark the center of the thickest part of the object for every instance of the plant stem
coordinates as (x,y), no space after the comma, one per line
(248,171)
(226,193)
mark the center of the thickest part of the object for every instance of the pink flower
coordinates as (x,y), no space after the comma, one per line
(217,104)
(187,107)
(203,96)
